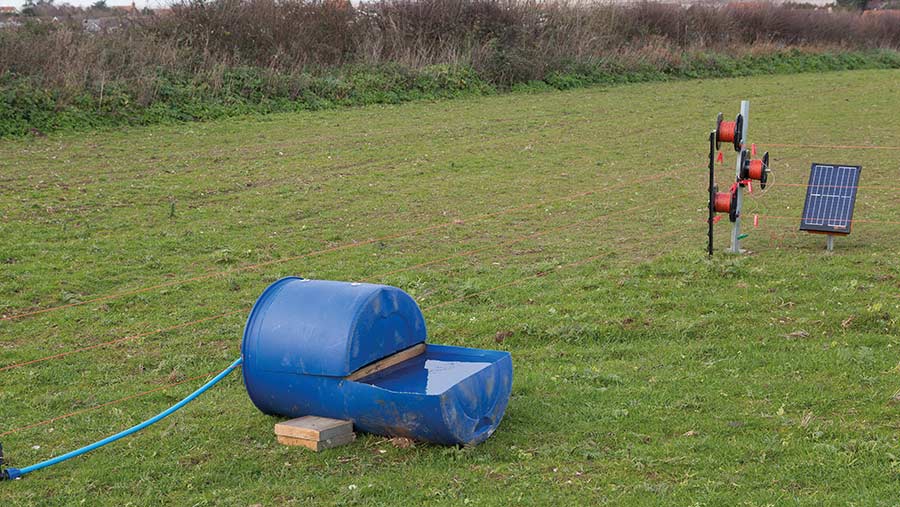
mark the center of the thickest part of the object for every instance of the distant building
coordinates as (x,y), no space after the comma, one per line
(8,10)
(340,4)
(126,9)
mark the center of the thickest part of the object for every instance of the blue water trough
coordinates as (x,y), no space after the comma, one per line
(352,351)
(358,351)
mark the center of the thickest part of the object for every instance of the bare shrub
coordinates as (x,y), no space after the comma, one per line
(504,41)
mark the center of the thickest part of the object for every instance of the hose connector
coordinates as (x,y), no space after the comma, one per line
(8,474)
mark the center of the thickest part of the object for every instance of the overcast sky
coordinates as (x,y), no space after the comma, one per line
(153,4)
(162,3)
(86,3)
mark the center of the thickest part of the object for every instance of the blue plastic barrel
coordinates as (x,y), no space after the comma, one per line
(305,337)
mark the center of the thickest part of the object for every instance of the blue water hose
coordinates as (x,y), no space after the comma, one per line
(15,473)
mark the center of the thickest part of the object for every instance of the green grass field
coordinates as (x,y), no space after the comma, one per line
(565,227)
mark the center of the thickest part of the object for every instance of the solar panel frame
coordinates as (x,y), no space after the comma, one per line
(830,198)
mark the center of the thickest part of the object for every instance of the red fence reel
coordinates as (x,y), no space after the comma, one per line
(755,169)
(729,131)
(726,202)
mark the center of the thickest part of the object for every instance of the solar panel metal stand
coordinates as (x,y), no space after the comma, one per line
(736,225)
(829,243)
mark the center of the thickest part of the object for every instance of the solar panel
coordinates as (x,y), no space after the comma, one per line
(830,197)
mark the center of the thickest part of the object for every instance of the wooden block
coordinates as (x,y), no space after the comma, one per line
(318,445)
(387,362)
(313,427)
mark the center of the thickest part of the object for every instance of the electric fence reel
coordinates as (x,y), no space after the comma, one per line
(755,169)
(729,132)
(726,202)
